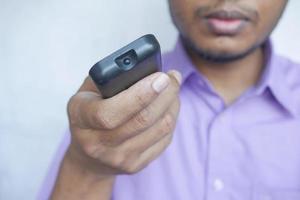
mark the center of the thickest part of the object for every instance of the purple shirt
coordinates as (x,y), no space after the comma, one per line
(249,150)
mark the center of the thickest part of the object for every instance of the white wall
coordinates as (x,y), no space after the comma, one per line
(47,48)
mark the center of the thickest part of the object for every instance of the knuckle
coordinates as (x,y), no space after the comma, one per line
(131,166)
(144,117)
(140,100)
(90,150)
(71,107)
(118,161)
(168,123)
(124,162)
(93,150)
(103,120)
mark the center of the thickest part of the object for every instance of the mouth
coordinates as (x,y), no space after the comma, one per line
(226,23)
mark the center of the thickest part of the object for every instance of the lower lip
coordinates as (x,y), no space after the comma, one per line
(225,26)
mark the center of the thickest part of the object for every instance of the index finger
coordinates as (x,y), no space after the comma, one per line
(88,110)
(123,106)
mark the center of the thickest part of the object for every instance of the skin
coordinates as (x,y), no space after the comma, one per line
(226,59)
(123,134)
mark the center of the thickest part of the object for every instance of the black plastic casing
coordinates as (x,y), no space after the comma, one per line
(128,65)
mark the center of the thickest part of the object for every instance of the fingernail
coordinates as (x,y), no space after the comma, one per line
(177,75)
(160,83)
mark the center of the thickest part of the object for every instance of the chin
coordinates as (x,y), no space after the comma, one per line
(220,49)
(222,44)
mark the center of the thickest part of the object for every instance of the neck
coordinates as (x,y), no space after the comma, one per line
(231,79)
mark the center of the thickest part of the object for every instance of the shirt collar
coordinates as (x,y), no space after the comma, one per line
(272,79)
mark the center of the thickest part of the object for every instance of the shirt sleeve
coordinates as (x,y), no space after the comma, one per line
(49,180)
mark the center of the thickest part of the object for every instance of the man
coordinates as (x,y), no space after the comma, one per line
(237,135)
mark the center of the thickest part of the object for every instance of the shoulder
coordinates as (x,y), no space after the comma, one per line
(289,71)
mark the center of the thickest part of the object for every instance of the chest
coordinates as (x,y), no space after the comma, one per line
(253,147)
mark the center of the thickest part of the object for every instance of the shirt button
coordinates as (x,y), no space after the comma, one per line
(218,185)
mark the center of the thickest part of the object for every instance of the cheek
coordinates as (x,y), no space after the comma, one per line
(269,11)
(182,14)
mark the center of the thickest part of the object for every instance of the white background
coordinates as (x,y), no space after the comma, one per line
(47,48)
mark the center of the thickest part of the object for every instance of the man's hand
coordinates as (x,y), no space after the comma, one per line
(119,135)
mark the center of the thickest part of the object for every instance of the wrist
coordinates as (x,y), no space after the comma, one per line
(85,165)
(77,181)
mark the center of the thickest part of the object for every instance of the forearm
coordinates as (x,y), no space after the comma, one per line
(74,182)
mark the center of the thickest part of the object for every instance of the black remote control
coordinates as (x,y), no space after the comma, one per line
(127,66)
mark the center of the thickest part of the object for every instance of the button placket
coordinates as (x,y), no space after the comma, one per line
(217,182)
